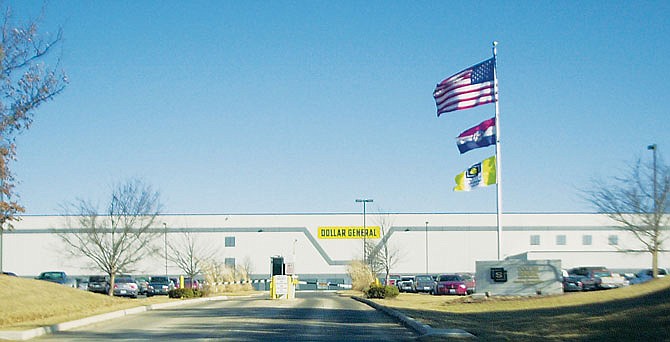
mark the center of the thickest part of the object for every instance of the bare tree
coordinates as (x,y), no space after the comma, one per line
(246,268)
(189,254)
(114,242)
(382,257)
(639,202)
(25,84)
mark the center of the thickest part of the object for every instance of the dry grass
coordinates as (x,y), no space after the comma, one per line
(639,312)
(29,303)
(235,289)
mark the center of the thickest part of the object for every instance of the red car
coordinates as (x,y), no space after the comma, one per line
(393,280)
(450,284)
(192,284)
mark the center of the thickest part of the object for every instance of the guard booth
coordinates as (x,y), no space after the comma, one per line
(282,285)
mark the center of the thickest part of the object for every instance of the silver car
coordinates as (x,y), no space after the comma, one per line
(424,283)
(126,287)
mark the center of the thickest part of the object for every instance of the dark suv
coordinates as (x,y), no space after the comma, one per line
(159,285)
(99,284)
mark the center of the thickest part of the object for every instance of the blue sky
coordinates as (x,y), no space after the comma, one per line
(304,106)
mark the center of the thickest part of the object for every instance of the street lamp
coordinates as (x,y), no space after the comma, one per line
(294,242)
(653,148)
(426,247)
(166,258)
(364,201)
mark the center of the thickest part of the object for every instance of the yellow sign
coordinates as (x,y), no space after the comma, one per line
(349,232)
(528,275)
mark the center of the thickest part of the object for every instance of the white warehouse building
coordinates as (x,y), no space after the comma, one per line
(322,245)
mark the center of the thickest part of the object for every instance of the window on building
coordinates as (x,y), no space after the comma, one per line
(534,240)
(561,240)
(230,262)
(230,241)
(586,240)
(613,240)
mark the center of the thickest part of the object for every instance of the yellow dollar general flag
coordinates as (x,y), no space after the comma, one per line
(480,174)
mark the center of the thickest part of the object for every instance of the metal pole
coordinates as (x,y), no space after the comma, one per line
(294,241)
(365,253)
(498,153)
(426,247)
(655,214)
(653,148)
(166,257)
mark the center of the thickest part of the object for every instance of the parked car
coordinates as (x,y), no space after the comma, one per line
(82,283)
(450,284)
(572,283)
(192,284)
(125,287)
(175,282)
(470,282)
(98,284)
(58,277)
(424,283)
(597,277)
(662,272)
(645,275)
(406,284)
(143,283)
(159,285)
(393,280)
(11,274)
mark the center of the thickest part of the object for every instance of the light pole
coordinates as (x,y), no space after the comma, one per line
(165,236)
(426,247)
(294,242)
(364,201)
(653,148)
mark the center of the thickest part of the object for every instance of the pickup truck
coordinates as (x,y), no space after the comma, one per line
(406,284)
(424,283)
(597,278)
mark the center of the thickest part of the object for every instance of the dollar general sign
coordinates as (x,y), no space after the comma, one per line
(349,232)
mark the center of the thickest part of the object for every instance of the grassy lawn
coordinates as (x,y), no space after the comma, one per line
(29,303)
(640,312)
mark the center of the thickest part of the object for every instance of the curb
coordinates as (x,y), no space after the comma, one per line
(22,335)
(424,330)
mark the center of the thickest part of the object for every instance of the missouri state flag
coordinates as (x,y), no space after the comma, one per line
(471,87)
(481,135)
(478,175)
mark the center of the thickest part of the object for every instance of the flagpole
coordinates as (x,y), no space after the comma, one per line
(498,159)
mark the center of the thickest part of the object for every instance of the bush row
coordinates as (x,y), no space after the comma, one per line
(381,291)
(184,293)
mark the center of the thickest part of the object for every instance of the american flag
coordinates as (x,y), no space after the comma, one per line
(468,88)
